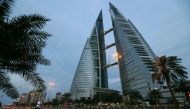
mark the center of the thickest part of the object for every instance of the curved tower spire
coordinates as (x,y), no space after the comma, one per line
(90,73)
(136,55)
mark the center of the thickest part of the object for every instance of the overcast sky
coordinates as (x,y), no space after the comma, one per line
(163,23)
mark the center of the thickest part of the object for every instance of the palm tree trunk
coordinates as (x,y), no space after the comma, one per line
(155,99)
(172,94)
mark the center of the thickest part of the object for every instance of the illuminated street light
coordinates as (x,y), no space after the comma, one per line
(117,56)
(51,85)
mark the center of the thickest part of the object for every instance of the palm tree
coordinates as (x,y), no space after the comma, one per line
(169,69)
(21,42)
(134,96)
(153,96)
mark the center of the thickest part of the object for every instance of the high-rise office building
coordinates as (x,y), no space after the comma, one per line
(90,71)
(136,55)
(135,62)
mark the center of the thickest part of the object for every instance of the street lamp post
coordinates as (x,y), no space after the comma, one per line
(51,85)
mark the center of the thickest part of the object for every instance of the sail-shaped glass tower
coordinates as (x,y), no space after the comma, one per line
(90,71)
(136,55)
(135,63)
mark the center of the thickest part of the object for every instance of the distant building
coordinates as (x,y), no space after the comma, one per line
(24,98)
(32,97)
(58,96)
(36,96)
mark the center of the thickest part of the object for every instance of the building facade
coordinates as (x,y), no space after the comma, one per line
(58,96)
(136,55)
(135,62)
(24,98)
(90,73)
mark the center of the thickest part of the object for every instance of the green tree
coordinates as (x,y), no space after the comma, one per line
(66,98)
(107,97)
(134,96)
(169,69)
(181,86)
(55,102)
(153,96)
(21,42)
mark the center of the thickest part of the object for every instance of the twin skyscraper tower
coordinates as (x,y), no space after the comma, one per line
(135,58)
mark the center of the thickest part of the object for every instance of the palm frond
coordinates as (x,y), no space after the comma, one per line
(181,73)
(7,87)
(34,78)
(14,66)
(29,22)
(169,67)
(23,41)
(174,77)
(23,38)
(5,9)
(25,71)
(26,30)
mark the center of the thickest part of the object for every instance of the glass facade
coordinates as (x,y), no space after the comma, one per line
(90,73)
(136,55)
(135,64)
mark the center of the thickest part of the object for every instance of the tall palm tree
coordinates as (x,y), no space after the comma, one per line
(21,42)
(169,69)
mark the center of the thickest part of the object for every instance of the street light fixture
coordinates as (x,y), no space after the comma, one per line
(51,85)
(117,56)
